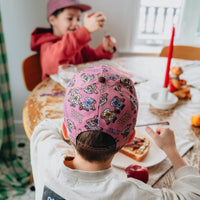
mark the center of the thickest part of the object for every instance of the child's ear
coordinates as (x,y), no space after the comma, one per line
(131,137)
(52,19)
(64,130)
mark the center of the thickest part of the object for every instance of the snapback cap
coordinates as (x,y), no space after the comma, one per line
(101,98)
(54,5)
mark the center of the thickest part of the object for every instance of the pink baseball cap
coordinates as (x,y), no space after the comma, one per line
(54,5)
(101,98)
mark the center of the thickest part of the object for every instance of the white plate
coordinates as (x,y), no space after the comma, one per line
(155,156)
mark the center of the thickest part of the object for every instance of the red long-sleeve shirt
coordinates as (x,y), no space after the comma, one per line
(72,48)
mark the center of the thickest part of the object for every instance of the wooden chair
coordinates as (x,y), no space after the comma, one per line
(32,75)
(32,72)
(182,52)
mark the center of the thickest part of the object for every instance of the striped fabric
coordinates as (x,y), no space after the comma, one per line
(13,177)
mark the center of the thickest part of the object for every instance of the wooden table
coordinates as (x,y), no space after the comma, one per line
(46,101)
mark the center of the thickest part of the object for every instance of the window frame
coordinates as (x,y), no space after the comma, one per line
(183,34)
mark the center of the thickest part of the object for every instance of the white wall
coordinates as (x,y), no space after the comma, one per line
(20,17)
(189,24)
(121,19)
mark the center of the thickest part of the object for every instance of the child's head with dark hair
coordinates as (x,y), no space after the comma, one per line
(64,15)
(100,112)
(95,146)
(57,12)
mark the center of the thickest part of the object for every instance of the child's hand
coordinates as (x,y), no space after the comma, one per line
(94,22)
(109,43)
(164,138)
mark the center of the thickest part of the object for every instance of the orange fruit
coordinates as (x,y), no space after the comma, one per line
(195,120)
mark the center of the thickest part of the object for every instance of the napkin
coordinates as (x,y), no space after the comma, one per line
(157,171)
(55,77)
(135,77)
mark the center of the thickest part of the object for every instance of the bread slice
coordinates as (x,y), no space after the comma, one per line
(138,148)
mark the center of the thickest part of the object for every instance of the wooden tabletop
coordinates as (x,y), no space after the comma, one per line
(46,101)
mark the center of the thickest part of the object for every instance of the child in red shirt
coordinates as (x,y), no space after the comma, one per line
(67,41)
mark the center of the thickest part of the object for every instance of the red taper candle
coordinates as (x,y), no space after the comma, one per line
(169,57)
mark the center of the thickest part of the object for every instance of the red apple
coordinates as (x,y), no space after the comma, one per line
(138,172)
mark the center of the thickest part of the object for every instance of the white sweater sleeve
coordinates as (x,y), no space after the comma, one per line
(185,187)
(187,182)
(48,149)
(49,132)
